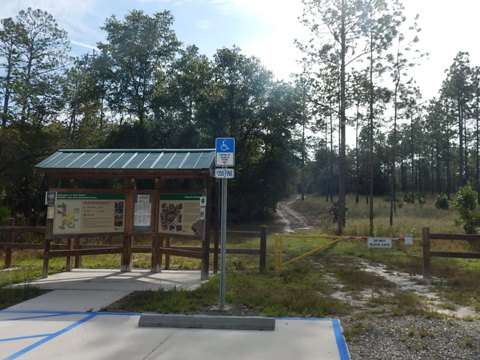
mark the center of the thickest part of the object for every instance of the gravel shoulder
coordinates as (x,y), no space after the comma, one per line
(377,331)
(412,338)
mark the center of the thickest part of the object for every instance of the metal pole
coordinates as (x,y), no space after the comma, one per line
(223,235)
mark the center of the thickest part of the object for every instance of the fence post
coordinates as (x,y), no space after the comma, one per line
(156,256)
(263,248)
(46,258)
(426,253)
(278,253)
(9,239)
(78,258)
(68,265)
(127,254)
(167,255)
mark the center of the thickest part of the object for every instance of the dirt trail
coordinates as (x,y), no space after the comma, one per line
(291,219)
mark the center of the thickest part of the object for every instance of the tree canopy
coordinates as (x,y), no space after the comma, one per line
(353,122)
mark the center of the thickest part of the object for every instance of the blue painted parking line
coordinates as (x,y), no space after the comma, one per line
(50,337)
(24,337)
(340,339)
(32,317)
(39,314)
(106,313)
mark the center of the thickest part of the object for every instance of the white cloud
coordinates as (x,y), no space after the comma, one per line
(70,15)
(81,44)
(279,27)
(204,24)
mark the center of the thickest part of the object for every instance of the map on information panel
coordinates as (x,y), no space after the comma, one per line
(88,213)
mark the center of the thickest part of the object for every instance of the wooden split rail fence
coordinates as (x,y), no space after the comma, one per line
(427,238)
(161,245)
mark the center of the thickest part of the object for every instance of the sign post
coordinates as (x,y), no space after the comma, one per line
(224,156)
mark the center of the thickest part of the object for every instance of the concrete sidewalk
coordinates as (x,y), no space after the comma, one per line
(93,289)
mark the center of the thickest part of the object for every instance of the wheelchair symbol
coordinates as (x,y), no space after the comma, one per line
(224,146)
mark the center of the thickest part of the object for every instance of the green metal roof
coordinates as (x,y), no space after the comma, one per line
(129,159)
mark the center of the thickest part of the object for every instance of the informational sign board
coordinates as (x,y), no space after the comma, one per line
(181,214)
(224,152)
(379,243)
(88,213)
(142,212)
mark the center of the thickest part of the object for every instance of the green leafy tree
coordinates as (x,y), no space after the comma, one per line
(335,28)
(380,28)
(458,89)
(42,49)
(179,100)
(138,49)
(10,35)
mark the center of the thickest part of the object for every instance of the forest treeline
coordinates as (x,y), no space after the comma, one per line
(144,88)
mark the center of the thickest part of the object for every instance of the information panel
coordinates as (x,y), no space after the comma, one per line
(142,213)
(88,213)
(181,214)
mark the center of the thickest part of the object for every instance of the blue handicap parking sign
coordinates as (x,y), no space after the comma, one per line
(225,145)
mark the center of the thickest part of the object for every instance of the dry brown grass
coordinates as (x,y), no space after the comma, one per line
(408,218)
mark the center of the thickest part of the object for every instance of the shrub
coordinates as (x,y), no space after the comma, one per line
(442,202)
(408,197)
(465,203)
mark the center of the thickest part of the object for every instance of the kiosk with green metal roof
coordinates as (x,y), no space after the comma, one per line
(150,193)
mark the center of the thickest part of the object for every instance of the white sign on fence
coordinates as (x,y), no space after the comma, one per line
(408,239)
(379,242)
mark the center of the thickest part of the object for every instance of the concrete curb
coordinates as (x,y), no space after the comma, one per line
(207,322)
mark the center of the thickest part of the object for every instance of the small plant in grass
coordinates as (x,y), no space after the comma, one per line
(353,331)
(442,202)
(467,342)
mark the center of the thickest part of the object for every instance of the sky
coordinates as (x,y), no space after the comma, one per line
(265,28)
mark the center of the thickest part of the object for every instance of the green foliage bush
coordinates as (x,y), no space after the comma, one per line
(408,197)
(465,203)
(4,214)
(442,202)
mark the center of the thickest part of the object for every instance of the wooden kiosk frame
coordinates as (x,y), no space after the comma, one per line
(68,170)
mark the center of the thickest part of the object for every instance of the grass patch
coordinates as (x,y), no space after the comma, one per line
(296,292)
(401,303)
(407,218)
(353,331)
(12,296)
(356,279)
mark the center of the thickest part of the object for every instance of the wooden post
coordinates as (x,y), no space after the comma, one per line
(205,267)
(46,258)
(127,254)
(156,256)
(78,258)
(278,253)
(263,248)
(68,265)
(167,255)
(8,256)
(426,253)
(10,237)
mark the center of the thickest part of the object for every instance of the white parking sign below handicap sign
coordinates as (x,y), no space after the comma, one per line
(224,151)
(223,173)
